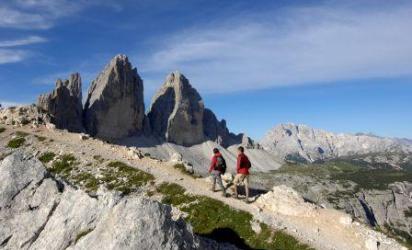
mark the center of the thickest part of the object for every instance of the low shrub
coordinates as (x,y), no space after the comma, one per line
(46,157)
(16,142)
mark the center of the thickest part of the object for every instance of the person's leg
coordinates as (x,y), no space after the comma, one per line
(213,181)
(235,183)
(246,182)
(219,180)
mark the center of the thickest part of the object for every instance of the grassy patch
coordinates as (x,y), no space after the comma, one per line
(16,142)
(46,157)
(124,178)
(206,214)
(2,129)
(181,167)
(83,233)
(87,180)
(64,165)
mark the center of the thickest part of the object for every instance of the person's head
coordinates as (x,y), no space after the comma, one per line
(241,149)
(215,150)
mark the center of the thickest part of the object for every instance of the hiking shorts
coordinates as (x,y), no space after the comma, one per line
(241,178)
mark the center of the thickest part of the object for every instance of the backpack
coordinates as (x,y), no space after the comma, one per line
(248,163)
(220,164)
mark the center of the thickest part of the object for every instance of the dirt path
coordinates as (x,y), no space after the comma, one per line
(320,228)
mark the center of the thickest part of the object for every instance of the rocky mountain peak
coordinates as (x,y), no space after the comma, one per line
(64,104)
(176,111)
(310,144)
(114,106)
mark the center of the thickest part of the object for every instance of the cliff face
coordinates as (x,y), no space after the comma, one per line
(64,104)
(115,106)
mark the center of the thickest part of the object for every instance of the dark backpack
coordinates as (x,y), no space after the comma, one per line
(248,163)
(220,164)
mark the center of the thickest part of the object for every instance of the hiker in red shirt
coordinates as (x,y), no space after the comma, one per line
(216,169)
(243,165)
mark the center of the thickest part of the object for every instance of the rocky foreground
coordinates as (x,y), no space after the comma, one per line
(114,213)
(38,211)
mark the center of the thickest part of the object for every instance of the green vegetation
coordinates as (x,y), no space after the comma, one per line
(181,167)
(121,177)
(88,180)
(16,142)
(341,170)
(46,157)
(83,233)
(2,129)
(64,165)
(206,215)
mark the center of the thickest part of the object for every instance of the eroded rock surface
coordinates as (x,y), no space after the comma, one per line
(303,143)
(115,106)
(64,104)
(38,211)
(176,113)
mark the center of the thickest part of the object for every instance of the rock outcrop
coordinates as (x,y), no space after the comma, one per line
(64,104)
(337,229)
(115,105)
(38,211)
(389,209)
(176,113)
(217,131)
(300,142)
(23,115)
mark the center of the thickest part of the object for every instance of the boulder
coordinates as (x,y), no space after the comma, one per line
(115,108)
(176,113)
(37,211)
(64,104)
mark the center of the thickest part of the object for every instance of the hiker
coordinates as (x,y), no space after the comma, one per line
(217,168)
(243,165)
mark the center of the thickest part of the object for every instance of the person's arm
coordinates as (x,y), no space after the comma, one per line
(212,164)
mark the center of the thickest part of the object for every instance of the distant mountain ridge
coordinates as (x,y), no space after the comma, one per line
(301,142)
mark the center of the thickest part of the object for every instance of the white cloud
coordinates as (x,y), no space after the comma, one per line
(24,41)
(12,56)
(288,47)
(43,14)
(12,18)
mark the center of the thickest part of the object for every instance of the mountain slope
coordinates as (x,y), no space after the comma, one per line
(303,143)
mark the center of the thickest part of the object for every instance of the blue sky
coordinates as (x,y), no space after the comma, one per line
(343,66)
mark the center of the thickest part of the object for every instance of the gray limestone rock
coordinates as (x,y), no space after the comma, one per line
(38,211)
(301,142)
(115,105)
(64,104)
(176,113)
